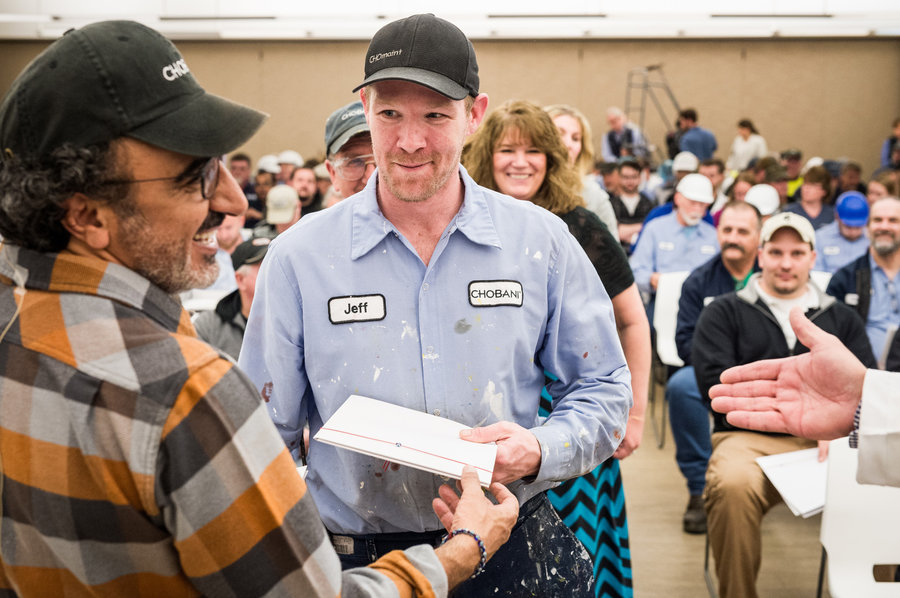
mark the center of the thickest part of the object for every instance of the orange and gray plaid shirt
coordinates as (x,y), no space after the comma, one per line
(136,460)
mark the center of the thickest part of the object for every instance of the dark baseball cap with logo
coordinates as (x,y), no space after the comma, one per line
(250,252)
(118,79)
(426,50)
(344,123)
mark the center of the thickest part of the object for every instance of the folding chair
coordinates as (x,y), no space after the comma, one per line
(860,526)
(665,317)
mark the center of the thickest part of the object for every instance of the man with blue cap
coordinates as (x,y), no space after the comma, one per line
(845,239)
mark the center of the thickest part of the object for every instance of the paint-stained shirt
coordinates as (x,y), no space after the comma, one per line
(344,305)
(137,461)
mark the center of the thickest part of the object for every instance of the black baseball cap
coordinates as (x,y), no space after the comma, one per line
(426,50)
(118,79)
(344,123)
(250,252)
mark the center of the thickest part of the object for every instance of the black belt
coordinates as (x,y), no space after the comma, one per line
(378,545)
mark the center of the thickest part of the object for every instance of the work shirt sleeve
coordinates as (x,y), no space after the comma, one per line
(879,430)
(643,260)
(272,351)
(592,394)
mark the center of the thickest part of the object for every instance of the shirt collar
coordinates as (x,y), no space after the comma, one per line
(474,219)
(69,273)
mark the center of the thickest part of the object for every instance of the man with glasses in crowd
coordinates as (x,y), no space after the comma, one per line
(348,144)
(135,459)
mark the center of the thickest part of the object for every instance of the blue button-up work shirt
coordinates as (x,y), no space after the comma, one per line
(344,305)
(668,246)
(884,307)
(834,250)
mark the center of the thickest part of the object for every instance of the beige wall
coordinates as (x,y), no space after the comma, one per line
(834,98)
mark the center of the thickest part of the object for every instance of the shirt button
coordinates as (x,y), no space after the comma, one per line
(437,411)
(425,286)
(429,349)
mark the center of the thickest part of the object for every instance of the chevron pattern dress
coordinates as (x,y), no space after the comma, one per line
(593,506)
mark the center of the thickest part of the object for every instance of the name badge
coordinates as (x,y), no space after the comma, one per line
(667,246)
(490,293)
(851,299)
(831,250)
(708,300)
(356,308)
(707,249)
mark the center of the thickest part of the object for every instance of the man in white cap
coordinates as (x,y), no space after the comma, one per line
(764,198)
(683,164)
(742,327)
(401,292)
(680,240)
(283,209)
(288,160)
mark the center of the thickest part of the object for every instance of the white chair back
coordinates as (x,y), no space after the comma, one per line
(860,528)
(820,278)
(665,316)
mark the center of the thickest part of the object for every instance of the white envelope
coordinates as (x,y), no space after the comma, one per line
(407,437)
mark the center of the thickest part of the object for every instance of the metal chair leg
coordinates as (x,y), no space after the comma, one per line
(707,575)
(819,587)
(658,375)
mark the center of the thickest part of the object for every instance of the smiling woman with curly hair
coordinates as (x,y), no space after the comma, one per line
(518,151)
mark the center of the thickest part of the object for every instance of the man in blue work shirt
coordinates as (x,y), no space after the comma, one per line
(430,292)
(738,234)
(845,239)
(678,241)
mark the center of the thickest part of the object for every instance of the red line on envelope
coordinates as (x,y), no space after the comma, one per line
(405,446)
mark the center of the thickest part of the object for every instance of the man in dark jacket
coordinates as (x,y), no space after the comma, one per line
(738,235)
(223,327)
(871,283)
(739,328)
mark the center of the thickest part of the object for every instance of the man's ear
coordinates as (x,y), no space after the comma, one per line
(87,220)
(479,109)
(332,173)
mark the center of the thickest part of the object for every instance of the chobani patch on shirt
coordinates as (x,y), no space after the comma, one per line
(491,293)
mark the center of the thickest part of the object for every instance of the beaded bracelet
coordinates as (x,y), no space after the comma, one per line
(480,568)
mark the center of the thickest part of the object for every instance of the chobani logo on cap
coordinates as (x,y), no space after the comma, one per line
(380,55)
(179,68)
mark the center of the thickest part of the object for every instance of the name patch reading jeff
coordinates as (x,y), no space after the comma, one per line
(356,308)
(489,293)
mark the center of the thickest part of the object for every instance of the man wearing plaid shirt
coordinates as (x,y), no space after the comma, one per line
(136,459)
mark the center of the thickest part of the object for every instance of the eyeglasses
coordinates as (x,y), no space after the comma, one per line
(353,169)
(204,170)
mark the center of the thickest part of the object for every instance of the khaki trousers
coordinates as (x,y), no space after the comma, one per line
(737,496)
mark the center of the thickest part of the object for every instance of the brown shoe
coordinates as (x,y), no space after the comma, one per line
(695,516)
